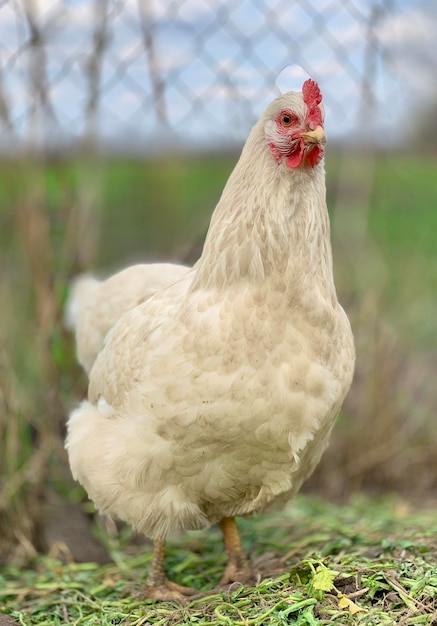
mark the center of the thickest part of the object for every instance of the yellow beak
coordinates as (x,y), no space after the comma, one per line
(316,136)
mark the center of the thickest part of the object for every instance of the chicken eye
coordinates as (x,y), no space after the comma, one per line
(287,119)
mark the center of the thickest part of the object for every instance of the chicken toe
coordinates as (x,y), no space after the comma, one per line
(237,572)
(169,591)
(158,586)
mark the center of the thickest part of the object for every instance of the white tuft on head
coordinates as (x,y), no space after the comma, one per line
(291,78)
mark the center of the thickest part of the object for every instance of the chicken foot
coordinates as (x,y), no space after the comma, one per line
(158,586)
(237,569)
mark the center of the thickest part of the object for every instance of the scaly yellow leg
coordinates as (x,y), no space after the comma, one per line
(158,586)
(237,569)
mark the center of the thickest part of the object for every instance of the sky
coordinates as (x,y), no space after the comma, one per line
(218,64)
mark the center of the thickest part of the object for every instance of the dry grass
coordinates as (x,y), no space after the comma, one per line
(37,366)
(384,440)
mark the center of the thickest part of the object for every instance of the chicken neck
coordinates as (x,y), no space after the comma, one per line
(270,227)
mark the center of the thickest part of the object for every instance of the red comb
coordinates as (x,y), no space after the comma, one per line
(312,98)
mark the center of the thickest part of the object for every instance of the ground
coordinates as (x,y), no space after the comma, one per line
(372,562)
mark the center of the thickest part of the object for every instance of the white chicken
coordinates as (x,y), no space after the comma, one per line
(94,306)
(216,396)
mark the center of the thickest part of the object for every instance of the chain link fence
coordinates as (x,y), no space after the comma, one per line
(125,71)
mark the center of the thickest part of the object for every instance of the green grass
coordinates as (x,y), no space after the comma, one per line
(370,563)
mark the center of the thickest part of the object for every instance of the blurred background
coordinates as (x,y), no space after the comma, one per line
(120,121)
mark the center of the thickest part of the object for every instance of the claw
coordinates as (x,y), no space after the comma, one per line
(168,591)
(237,573)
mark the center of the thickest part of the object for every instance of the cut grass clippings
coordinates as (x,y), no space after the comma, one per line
(371,562)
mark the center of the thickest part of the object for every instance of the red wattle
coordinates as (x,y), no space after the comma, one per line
(314,156)
(295,159)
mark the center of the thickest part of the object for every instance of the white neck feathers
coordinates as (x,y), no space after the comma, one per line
(271,225)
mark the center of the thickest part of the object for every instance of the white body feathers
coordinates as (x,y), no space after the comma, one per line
(216,396)
(94,306)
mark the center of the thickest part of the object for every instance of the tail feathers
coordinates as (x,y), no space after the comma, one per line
(82,289)
(116,462)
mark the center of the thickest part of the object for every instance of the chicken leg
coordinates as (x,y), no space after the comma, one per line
(158,586)
(237,569)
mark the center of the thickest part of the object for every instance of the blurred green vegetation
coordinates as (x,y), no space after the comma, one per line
(403,222)
(149,209)
(60,217)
